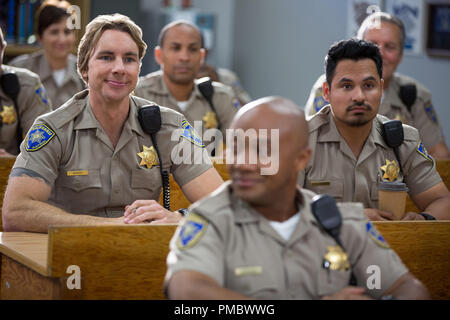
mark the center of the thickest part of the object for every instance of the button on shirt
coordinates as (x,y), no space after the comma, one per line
(87,174)
(333,168)
(240,250)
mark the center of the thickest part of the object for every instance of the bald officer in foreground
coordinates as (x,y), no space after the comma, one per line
(90,161)
(256,237)
(180,55)
(350,156)
(31,101)
(403,98)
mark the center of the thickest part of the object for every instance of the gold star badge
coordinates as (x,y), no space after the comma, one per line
(8,115)
(148,156)
(210,120)
(391,170)
(336,259)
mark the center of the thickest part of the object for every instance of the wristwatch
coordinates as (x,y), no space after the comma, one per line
(427,216)
(183,211)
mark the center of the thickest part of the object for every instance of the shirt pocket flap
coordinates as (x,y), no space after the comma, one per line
(146,179)
(79,180)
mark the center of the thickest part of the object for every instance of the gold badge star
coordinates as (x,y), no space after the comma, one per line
(336,258)
(148,156)
(210,120)
(391,170)
(8,115)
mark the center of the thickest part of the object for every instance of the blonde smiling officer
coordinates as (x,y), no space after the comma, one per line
(31,100)
(90,161)
(257,237)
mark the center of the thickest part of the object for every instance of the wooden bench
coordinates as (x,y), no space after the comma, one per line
(6,164)
(177,198)
(129,262)
(115,262)
(443,168)
(424,247)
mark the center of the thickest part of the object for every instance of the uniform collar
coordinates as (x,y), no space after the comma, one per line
(162,89)
(45,71)
(88,121)
(329,133)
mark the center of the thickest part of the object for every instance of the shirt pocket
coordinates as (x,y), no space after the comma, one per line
(332,281)
(81,181)
(259,286)
(334,188)
(144,181)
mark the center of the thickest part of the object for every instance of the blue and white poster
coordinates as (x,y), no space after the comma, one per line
(411,12)
(358,10)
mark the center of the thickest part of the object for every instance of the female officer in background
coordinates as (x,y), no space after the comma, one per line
(55,64)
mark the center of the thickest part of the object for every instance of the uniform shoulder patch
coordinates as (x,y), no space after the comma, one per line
(38,136)
(41,95)
(423,152)
(236,103)
(192,229)
(190,135)
(375,235)
(319,101)
(431,114)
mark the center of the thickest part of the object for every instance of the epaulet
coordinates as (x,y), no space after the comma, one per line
(26,77)
(422,92)
(319,119)
(222,88)
(410,133)
(150,81)
(168,116)
(213,204)
(352,210)
(68,111)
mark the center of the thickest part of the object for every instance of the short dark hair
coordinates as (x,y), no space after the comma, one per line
(167,27)
(352,49)
(51,12)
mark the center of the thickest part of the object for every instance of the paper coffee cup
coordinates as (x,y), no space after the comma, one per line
(392,198)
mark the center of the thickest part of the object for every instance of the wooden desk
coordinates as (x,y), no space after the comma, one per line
(116,262)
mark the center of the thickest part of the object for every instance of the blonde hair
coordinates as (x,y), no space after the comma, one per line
(94,31)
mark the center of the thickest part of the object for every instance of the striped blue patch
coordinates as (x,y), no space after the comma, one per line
(190,135)
(429,110)
(423,152)
(375,235)
(41,95)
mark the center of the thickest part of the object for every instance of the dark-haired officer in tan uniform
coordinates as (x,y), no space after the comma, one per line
(350,156)
(256,237)
(180,55)
(404,98)
(90,162)
(32,101)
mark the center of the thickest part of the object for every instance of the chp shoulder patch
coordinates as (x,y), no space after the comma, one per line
(429,110)
(319,101)
(190,135)
(192,229)
(41,95)
(236,103)
(423,152)
(38,136)
(375,235)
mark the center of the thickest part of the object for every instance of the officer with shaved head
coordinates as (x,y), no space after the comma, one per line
(257,236)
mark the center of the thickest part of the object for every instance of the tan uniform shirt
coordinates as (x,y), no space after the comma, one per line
(231,79)
(69,148)
(153,88)
(333,168)
(72,83)
(224,238)
(32,101)
(422,115)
